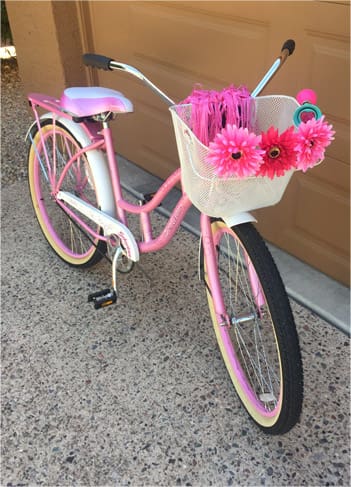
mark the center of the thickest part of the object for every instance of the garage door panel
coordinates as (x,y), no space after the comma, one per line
(179,44)
(196,44)
(331,57)
(340,147)
(322,204)
(335,173)
(320,256)
(318,225)
(164,153)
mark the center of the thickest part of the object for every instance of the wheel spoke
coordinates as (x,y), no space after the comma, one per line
(253,338)
(53,150)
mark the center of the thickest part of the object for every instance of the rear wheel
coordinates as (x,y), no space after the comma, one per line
(257,335)
(48,155)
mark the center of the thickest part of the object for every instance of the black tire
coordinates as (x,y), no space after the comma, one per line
(270,326)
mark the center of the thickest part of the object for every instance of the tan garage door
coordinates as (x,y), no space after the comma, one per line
(178,44)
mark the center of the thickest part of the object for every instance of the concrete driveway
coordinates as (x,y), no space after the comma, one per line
(137,394)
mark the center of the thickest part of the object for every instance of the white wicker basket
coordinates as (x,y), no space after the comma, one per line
(221,197)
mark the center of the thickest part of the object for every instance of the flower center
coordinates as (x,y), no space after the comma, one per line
(237,155)
(274,152)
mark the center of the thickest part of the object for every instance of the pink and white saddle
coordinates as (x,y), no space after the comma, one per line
(88,101)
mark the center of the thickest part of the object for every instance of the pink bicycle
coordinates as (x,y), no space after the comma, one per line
(77,197)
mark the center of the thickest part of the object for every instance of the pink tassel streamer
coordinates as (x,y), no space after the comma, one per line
(212,110)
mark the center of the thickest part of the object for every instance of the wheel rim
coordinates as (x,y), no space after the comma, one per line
(51,153)
(248,345)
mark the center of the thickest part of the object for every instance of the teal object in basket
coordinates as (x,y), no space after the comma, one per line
(305,112)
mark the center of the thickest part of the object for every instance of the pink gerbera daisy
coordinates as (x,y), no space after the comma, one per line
(234,152)
(313,137)
(279,152)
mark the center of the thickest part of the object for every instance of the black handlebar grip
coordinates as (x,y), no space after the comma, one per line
(289,45)
(97,61)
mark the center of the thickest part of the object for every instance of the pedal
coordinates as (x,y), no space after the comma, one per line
(103,298)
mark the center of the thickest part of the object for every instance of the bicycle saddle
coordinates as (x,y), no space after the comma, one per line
(88,101)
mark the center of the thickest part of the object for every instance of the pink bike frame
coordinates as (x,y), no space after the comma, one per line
(102,140)
(151,244)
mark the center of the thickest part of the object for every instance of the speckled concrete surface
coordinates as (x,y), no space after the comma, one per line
(15,120)
(137,394)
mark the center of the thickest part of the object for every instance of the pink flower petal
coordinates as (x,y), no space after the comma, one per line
(234,152)
(312,139)
(279,152)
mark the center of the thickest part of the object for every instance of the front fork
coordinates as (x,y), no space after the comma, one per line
(211,278)
(210,271)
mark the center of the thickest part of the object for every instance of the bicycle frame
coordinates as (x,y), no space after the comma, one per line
(115,225)
(102,140)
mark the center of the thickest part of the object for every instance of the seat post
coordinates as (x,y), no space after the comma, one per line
(114,171)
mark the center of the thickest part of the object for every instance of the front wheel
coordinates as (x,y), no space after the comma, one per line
(254,327)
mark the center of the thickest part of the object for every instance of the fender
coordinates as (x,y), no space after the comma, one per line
(96,159)
(238,218)
(230,221)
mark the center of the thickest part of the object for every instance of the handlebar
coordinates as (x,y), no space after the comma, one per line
(97,61)
(289,45)
(286,50)
(108,64)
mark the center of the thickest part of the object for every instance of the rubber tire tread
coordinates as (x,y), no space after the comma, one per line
(284,325)
(101,246)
